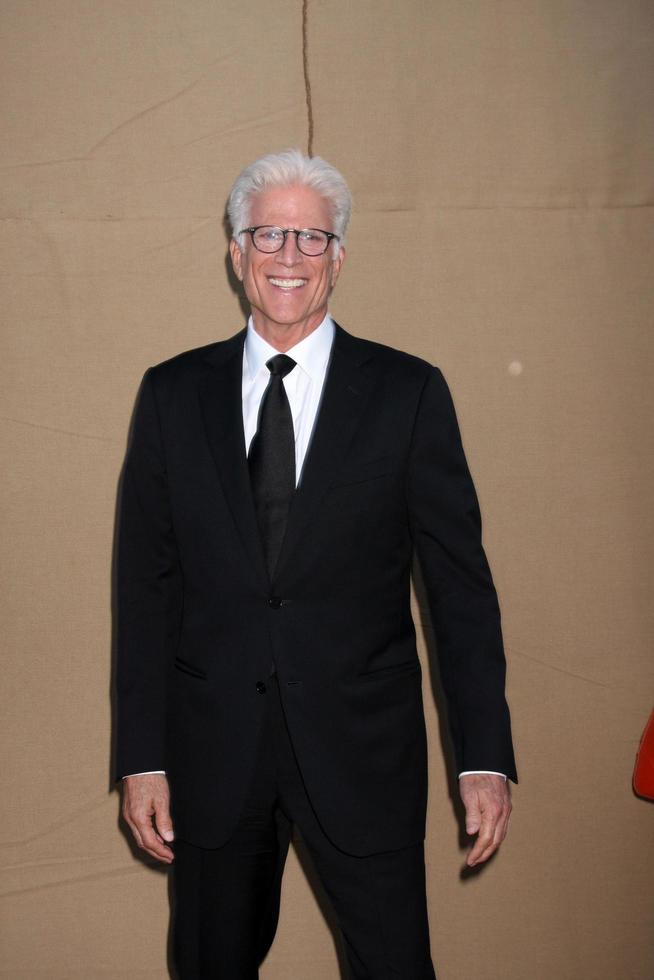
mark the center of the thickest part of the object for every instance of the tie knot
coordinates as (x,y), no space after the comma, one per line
(280,365)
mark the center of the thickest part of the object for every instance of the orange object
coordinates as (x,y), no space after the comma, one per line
(644,768)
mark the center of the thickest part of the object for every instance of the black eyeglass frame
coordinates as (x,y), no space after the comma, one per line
(295,231)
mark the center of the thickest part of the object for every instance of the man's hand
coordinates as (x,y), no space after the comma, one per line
(146,809)
(487,800)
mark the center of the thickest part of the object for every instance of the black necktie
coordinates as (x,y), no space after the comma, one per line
(271,460)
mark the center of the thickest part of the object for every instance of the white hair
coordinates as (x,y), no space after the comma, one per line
(286,169)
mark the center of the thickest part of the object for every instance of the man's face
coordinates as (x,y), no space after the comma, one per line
(287,291)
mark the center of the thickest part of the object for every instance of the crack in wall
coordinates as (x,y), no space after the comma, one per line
(307,80)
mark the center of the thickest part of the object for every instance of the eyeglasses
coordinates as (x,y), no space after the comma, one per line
(310,241)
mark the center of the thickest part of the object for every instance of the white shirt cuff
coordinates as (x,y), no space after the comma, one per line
(482,772)
(150,772)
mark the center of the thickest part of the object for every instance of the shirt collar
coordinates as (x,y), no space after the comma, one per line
(312,353)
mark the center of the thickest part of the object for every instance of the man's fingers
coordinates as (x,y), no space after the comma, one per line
(492,833)
(148,839)
(489,849)
(473,815)
(503,823)
(485,837)
(134,829)
(146,810)
(152,843)
(488,806)
(164,823)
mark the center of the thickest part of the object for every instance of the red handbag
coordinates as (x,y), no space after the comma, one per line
(644,768)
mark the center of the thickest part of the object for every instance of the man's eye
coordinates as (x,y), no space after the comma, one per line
(310,236)
(271,234)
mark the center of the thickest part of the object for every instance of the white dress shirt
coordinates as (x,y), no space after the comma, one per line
(303,386)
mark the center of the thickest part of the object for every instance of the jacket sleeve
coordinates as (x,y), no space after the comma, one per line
(446,530)
(148,590)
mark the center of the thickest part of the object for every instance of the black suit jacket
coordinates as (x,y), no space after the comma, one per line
(200,622)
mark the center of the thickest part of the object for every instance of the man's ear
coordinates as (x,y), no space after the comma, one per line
(336,265)
(236,256)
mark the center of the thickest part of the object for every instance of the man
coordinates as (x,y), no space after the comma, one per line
(275,489)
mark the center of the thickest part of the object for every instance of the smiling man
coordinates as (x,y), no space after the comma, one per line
(276,489)
(290,272)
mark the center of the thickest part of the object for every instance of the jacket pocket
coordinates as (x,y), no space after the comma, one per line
(362,472)
(392,670)
(190,669)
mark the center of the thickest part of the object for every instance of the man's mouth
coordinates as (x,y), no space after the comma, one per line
(286,283)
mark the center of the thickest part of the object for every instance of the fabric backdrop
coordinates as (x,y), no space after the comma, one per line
(500,156)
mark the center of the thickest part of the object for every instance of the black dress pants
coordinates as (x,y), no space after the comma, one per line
(226,899)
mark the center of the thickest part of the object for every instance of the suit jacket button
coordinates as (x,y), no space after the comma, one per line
(260,687)
(275,602)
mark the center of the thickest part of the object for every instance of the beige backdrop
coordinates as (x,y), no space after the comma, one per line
(500,154)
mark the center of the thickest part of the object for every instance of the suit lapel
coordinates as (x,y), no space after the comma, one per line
(345,396)
(222,411)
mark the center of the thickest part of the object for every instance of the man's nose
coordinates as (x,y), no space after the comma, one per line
(289,253)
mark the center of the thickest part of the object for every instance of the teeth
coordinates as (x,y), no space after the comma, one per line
(287,283)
